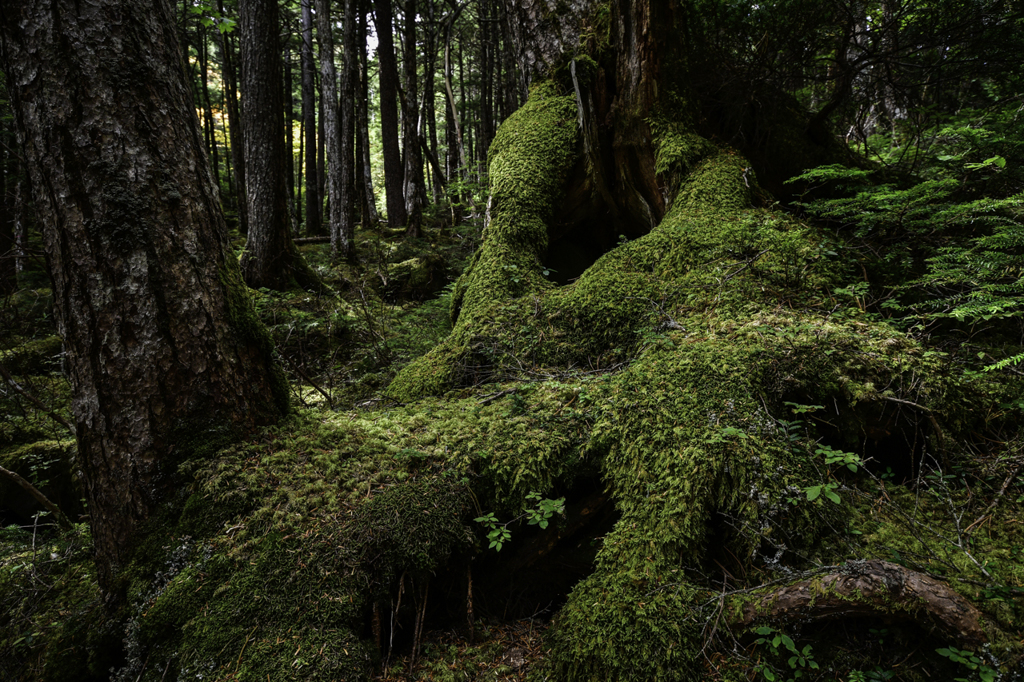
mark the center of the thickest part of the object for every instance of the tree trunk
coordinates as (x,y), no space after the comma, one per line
(313,226)
(369,200)
(393,171)
(332,126)
(429,116)
(211,126)
(270,259)
(235,126)
(412,186)
(344,244)
(8,245)
(289,136)
(161,339)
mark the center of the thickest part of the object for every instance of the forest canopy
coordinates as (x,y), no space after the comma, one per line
(509,339)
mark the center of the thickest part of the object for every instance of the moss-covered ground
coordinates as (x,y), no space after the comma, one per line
(745,422)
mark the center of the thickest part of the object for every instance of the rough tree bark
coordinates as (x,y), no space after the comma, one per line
(393,174)
(345,242)
(309,121)
(270,259)
(161,339)
(412,184)
(332,127)
(227,52)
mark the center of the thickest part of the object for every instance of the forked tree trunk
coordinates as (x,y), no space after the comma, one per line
(161,338)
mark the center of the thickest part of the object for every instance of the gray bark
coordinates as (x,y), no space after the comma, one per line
(332,126)
(413,189)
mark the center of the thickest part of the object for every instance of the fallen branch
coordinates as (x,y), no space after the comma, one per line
(39,497)
(35,401)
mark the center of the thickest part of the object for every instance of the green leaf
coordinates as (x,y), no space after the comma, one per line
(833,497)
(813,492)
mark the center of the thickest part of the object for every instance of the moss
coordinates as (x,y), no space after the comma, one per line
(39,356)
(50,607)
(529,161)
(244,322)
(627,627)
(413,528)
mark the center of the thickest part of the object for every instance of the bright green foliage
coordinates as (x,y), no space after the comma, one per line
(971,661)
(498,533)
(800,661)
(969,249)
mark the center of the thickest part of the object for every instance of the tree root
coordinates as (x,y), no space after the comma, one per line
(867,588)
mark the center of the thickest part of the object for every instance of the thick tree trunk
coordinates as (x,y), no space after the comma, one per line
(270,259)
(161,338)
(393,172)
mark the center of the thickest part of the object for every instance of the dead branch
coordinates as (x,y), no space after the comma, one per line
(39,497)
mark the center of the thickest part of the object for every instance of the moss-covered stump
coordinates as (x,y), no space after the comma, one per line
(741,412)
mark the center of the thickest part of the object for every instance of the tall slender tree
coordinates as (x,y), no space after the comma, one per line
(343,245)
(270,258)
(368,200)
(413,189)
(8,258)
(332,124)
(312,192)
(393,171)
(227,55)
(161,338)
